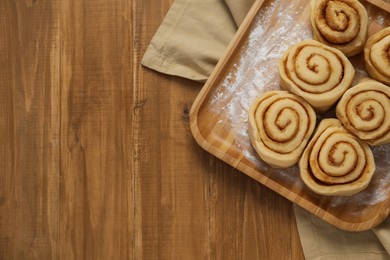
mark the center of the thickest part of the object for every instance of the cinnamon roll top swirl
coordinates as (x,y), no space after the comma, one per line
(280,125)
(335,162)
(341,24)
(365,111)
(377,56)
(318,73)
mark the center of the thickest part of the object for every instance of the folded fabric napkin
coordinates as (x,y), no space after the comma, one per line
(189,43)
(191,39)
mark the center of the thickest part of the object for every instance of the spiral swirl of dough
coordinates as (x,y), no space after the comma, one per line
(364,110)
(377,56)
(318,73)
(280,125)
(335,162)
(342,24)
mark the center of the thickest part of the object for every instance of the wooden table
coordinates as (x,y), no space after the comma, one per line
(96,157)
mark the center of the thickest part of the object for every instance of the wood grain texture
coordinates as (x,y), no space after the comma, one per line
(170,205)
(190,205)
(221,133)
(97,157)
(383,4)
(29,131)
(96,114)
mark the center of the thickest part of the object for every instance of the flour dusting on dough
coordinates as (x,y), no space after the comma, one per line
(256,72)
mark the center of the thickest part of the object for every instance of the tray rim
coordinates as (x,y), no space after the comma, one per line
(257,175)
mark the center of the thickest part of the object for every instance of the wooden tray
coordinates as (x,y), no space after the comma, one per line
(249,67)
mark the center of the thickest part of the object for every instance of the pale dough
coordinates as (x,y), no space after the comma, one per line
(335,162)
(342,24)
(364,110)
(377,56)
(280,125)
(318,73)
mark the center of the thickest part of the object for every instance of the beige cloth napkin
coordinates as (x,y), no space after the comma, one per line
(189,42)
(191,39)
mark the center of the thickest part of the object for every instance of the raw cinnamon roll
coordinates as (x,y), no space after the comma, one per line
(335,162)
(341,24)
(377,56)
(318,73)
(280,125)
(365,111)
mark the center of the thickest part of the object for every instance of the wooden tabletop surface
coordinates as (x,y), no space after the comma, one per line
(97,160)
